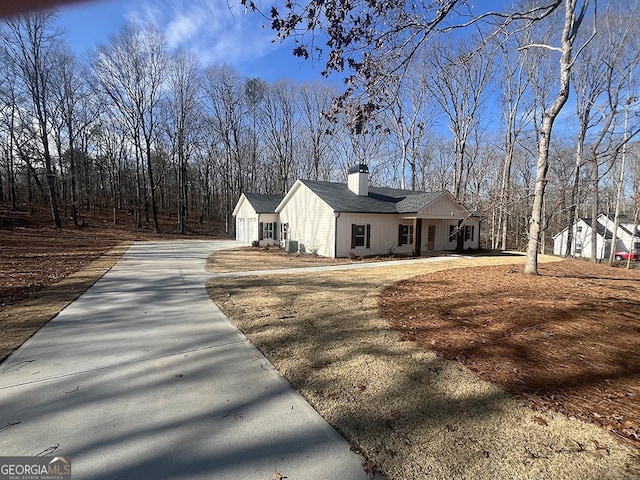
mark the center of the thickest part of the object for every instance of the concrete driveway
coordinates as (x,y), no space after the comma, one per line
(143,377)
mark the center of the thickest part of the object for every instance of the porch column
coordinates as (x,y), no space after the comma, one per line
(417,237)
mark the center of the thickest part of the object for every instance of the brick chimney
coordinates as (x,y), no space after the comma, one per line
(358,180)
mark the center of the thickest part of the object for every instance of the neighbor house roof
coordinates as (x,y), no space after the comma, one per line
(263,203)
(600,229)
(380,200)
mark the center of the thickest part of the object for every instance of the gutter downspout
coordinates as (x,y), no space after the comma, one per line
(335,235)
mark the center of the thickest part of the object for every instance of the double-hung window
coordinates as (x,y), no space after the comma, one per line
(469,231)
(405,235)
(267,230)
(360,236)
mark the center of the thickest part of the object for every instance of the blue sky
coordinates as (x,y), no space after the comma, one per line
(216,31)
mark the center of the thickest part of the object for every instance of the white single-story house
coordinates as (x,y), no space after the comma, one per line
(581,242)
(339,220)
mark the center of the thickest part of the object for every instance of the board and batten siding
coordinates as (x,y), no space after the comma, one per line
(311,221)
(443,208)
(384,234)
(246,222)
(442,241)
(445,213)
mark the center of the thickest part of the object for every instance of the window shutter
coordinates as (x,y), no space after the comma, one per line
(368,236)
(260,230)
(353,235)
(400,235)
(473,231)
(275,231)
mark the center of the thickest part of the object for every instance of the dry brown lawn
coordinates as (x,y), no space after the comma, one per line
(410,410)
(273,258)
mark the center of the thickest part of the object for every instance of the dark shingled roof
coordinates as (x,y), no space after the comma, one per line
(263,203)
(602,231)
(605,232)
(380,200)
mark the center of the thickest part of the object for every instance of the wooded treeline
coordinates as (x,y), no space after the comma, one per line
(142,129)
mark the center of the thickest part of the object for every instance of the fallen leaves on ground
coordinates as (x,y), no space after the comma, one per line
(567,339)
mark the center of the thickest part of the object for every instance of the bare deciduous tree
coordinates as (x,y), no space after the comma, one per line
(29,43)
(184,107)
(458,80)
(130,72)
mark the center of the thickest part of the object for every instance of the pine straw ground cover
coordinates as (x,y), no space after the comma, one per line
(43,269)
(413,413)
(569,340)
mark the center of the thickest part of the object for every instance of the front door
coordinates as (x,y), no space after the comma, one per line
(431,237)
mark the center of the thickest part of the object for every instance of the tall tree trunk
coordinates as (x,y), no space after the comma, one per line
(505,194)
(573,199)
(570,29)
(152,189)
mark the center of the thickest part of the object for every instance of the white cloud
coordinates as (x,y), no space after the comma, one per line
(216,31)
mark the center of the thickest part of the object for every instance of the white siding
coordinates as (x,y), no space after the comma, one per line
(560,243)
(442,239)
(241,229)
(269,218)
(443,207)
(252,229)
(473,243)
(311,221)
(246,221)
(384,234)
(581,245)
(623,238)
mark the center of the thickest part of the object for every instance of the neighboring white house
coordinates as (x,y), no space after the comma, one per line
(338,220)
(581,242)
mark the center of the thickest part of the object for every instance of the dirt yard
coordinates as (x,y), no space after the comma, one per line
(370,350)
(43,269)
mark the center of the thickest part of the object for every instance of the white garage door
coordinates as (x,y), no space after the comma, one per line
(252,229)
(240,231)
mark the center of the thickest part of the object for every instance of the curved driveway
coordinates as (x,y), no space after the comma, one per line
(142,377)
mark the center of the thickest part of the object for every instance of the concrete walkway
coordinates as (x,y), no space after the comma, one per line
(143,377)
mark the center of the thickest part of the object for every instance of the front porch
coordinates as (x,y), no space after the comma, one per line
(431,235)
